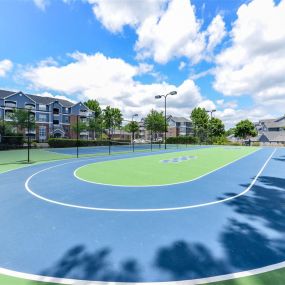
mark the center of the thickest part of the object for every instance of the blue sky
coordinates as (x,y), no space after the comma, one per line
(123,52)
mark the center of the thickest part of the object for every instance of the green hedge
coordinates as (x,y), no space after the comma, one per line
(182,140)
(57,143)
(12,141)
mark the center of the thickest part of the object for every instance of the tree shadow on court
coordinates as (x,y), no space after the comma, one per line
(264,202)
(78,263)
(184,261)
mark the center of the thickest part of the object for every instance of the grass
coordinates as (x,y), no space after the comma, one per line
(275,277)
(153,170)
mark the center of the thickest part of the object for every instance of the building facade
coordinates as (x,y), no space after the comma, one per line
(179,126)
(271,131)
(53,117)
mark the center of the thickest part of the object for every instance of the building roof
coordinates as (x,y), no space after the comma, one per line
(5,93)
(274,123)
(179,119)
(273,136)
(39,99)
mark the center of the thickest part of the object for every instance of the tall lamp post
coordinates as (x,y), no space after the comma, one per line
(165,123)
(211,112)
(133,133)
(211,115)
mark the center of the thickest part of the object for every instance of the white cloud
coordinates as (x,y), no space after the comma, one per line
(165,28)
(111,81)
(41,4)
(5,66)
(48,94)
(216,32)
(182,64)
(114,15)
(254,64)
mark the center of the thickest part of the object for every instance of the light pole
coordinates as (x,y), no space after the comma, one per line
(133,133)
(109,127)
(211,112)
(165,123)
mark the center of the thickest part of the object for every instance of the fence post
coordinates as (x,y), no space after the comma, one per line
(29,142)
(77,136)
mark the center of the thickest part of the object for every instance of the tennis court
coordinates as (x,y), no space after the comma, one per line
(198,215)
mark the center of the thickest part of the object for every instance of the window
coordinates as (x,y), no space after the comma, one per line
(30,106)
(42,117)
(42,107)
(10,104)
(42,132)
(56,122)
(65,119)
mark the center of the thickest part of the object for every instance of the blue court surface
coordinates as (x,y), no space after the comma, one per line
(229,221)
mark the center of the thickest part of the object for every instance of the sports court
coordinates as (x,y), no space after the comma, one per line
(198,215)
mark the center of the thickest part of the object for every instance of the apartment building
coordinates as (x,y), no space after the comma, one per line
(271,131)
(53,117)
(179,126)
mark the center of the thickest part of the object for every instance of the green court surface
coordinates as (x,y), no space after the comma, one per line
(13,159)
(275,277)
(161,169)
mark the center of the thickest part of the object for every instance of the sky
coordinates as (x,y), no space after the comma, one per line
(227,55)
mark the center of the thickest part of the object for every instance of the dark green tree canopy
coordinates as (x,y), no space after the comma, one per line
(245,129)
(94,106)
(154,121)
(22,119)
(132,127)
(200,120)
(216,127)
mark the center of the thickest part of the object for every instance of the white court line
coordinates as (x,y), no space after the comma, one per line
(159,185)
(147,209)
(199,281)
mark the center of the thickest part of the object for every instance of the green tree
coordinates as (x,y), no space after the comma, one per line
(154,122)
(132,127)
(200,120)
(245,129)
(216,128)
(94,106)
(22,119)
(230,131)
(81,127)
(112,119)
(94,123)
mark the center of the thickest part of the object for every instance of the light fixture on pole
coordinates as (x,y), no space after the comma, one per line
(211,112)
(165,123)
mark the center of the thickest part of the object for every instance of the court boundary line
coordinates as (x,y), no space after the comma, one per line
(206,280)
(160,185)
(146,209)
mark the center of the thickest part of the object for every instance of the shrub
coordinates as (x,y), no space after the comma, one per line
(61,143)
(12,141)
(182,140)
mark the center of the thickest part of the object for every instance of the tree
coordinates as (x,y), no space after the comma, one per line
(81,127)
(230,131)
(200,120)
(245,129)
(154,122)
(22,119)
(216,127)
(132,127)
(112,118)
(95,123)
(94,106)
